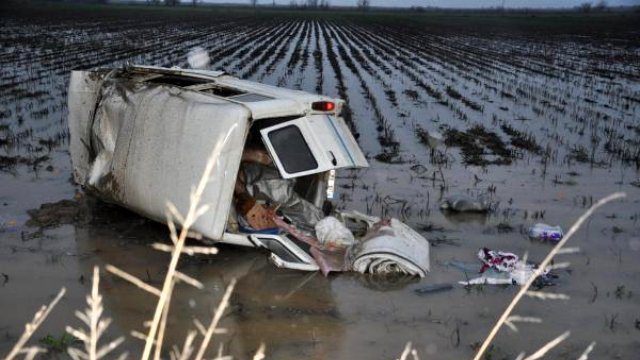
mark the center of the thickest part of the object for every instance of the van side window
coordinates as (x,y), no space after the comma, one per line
(292,149)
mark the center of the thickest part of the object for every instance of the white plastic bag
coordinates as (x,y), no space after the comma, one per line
(332,233)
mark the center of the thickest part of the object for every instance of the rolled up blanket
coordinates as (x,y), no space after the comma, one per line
(391,247)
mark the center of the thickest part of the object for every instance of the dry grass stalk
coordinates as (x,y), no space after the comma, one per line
(215,320)
(548,346)
(187,250)
(138,335)
(569,250)
(163,324)
(189,280)
(409,350)
(543,265)
(558,266)
(195,210)
(546,295)
(516,318)
(225,357)
(220,355)
(201,329)
(132,279)
(31,352)
(97,326)
(187,348)
(260,353)
(31,328)
(587,351)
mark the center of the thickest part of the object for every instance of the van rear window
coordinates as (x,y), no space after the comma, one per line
(292,149)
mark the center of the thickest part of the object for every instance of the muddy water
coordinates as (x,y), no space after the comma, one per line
(344,316)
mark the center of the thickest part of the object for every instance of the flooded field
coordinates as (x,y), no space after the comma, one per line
(542,113)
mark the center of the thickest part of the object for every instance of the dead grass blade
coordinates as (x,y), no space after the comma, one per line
(189,280)
(31,352)
(546,295)
(260,353)
(188,250)
(511,320)
(409,350)
(92,318)
(31,327)
(587,351)
(215,320)
(163,324)
(132,279)
(548,346)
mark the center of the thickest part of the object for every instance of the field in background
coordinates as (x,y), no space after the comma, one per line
(540,110)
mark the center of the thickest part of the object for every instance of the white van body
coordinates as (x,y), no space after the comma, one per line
(141,135)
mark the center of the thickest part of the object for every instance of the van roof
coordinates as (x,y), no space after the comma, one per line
(264,101)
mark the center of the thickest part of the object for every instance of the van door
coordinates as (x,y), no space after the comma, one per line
(312,144)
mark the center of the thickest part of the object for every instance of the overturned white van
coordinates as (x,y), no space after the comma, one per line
(141,135)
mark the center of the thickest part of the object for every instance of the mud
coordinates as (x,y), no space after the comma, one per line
(512,88)
(479,147)
(58,213)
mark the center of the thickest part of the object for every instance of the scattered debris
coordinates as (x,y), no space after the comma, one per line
(499,260)
(504,268)
(332,233)
(466,203)
(545,232)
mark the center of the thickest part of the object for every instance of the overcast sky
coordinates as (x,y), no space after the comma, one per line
(456,3)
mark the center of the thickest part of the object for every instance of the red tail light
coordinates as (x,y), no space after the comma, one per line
(323,106)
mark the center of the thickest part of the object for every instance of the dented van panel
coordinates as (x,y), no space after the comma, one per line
(141,137)
(144,146)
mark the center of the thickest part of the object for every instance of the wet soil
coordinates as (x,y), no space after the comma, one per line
(541,112)
(58,213)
